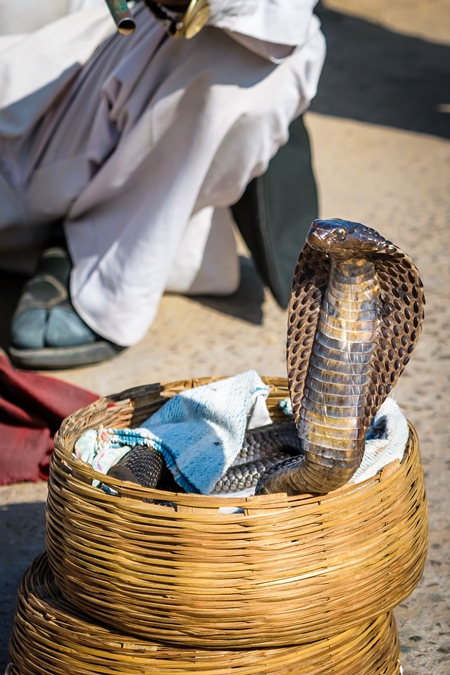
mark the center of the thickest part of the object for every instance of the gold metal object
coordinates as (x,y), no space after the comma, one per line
(193,20)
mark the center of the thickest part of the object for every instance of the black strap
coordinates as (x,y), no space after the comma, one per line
(162,16)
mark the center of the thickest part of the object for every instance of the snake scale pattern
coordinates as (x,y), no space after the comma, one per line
(355,316)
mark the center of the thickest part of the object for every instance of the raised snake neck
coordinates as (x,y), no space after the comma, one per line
(334,416)
(354,318)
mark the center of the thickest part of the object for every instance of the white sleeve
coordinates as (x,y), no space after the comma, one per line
(280,22)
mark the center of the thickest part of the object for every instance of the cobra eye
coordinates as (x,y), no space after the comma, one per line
(340,233)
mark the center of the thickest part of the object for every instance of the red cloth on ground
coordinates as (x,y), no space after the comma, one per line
(32,407)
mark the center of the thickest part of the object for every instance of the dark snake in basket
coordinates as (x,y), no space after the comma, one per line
(354,317)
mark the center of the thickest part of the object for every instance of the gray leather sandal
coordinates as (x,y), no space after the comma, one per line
(46,331)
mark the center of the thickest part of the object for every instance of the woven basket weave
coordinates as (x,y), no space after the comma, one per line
(285,571)
(51,637)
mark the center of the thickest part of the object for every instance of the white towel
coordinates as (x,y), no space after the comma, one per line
(385,441)
(200,431)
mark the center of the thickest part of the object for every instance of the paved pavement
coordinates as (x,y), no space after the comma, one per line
(380,130)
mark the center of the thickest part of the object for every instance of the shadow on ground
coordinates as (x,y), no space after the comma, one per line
(22,533)
(375,75)
(247,302)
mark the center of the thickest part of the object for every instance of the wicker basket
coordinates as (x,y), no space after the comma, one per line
(51,636)
(284,571)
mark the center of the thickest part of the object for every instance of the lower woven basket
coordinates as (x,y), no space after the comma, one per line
(181,570)
(51,636)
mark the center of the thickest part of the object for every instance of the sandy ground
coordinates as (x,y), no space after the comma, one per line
(380,130)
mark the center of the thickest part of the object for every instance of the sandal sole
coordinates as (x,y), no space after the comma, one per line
(56,358)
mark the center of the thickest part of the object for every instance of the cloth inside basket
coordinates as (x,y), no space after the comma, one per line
(200,433)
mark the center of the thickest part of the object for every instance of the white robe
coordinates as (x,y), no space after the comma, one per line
(141,146)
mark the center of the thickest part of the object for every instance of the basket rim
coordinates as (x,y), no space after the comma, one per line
(125,401)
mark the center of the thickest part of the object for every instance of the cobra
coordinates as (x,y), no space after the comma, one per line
(354,318)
